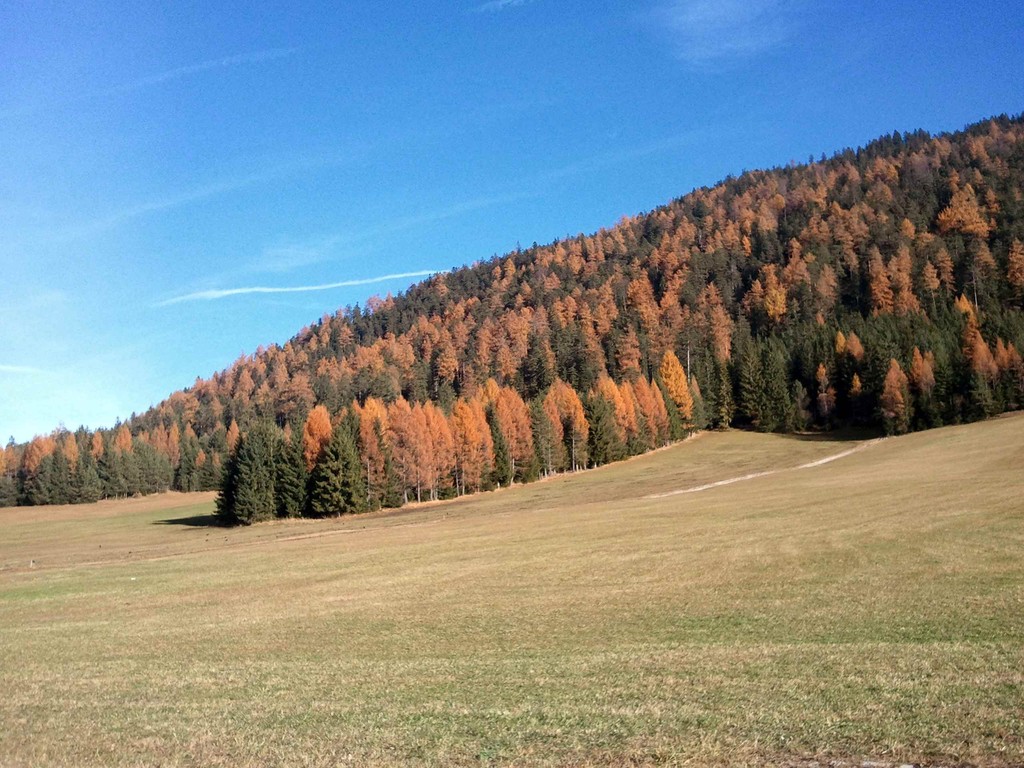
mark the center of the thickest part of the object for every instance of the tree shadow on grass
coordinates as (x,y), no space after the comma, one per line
(195,521)
(847,434)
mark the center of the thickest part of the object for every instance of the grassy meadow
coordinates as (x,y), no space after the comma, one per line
(866,608)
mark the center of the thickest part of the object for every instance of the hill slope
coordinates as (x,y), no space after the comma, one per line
(881,287)
(866,608)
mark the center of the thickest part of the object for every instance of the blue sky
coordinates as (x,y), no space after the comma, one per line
(155,160)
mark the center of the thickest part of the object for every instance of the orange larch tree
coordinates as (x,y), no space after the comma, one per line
(904,300)
(674,377)
(440,449)
(880,284)
(123,439)
(922,372)
(474,448)
(895,400)
(373,425)
(232,436)
(716,321)
(96,444)
(963,214)
(774,294)
(625,417)
(513,416)
(315,435)
(1015,267)
(71,452)
(566,410)
(854,348)
(37,450)
(628,355)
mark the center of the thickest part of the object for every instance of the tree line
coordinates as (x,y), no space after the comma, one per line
(882,287)
(378,454)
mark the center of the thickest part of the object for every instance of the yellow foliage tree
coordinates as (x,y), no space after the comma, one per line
(674,376)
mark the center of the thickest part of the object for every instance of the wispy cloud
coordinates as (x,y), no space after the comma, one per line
(288,257)
(223,186)
(21,370)
(284,258)
(710,33)
(223,293)
(619,156)
(171,201)
(499,5)
(148,81)
(225,62)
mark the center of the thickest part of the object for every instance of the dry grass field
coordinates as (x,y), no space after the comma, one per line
(866,608)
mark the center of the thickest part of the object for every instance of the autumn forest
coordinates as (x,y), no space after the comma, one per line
(881,288)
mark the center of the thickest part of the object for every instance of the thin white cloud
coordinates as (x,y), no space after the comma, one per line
(291,256)
(212,189)
(617,157)
(714,32)
(499,5)
(173,201)
(223,293)
(22,370)
(159,78)
(254,57)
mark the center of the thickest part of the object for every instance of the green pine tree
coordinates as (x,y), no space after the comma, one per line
(777,407)
(8,491)
(112,474)
(86,487)
(544,443)
(290,478)
(502,472)
(35,486)
(752,386)
(186,478)
(800,410)
(336,484)
(60,479)
(603,443)
(723,407)
(249,493)
(676,428)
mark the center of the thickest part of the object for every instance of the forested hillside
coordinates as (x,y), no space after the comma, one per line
(882,287)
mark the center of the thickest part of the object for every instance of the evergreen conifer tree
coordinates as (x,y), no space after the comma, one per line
(776,405)
(544,438)
(36,485)
(112,474)
(800,413)
(502,471)
(290,477)
(336,484)
(723,406)
(752,386)
(252,495)
(225,504)
(676,427)
(603,444)
(186,478)
(8,491)
(59,480)
(86,487)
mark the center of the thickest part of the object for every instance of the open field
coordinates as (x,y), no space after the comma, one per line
(866,608)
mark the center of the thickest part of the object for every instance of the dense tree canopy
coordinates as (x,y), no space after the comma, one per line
(883,287)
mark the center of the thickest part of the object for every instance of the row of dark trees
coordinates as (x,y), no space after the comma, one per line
(83,467)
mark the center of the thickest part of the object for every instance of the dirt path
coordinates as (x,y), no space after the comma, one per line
(765,473)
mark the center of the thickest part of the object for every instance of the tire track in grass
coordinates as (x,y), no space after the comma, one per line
(764,473)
